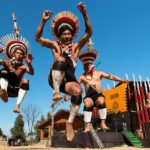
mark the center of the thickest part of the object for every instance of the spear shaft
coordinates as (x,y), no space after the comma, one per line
(137,104)
(140,102)
(144,99)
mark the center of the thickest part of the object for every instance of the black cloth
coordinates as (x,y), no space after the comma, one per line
(13,83)
(12,78)
(93,94)
(69,74)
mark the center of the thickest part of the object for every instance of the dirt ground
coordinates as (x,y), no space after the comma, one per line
(38,147)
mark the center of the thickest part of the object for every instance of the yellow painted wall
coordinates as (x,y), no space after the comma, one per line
(116,99)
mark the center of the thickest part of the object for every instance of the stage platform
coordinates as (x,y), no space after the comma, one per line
(82,140)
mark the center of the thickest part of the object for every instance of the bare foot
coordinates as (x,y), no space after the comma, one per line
(3,95)
(69,131)
(16,109)
(56,99)
(87,128)
(57,96)
(105,128)
(67,97)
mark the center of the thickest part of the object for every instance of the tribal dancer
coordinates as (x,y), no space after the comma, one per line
(62,75)
(94,97)
(12,83)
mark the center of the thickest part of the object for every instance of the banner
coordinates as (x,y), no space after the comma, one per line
(116,99)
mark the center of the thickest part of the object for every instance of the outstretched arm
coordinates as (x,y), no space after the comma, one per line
(113,77)
(29,68)
(38,35)
(88,31)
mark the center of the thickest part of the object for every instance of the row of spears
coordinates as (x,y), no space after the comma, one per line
(140,92)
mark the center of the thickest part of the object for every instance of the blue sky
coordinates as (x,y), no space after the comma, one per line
(121,34)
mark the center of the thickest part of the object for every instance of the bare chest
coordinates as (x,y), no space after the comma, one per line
(91,79)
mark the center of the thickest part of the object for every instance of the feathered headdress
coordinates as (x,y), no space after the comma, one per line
(89,55)
(9,43)
(65,19)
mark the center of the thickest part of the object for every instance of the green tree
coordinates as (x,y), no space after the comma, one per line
(18,130)
(1,132)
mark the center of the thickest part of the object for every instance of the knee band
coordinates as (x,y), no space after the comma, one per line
(76,99)
(102,113)
(87,116)
(3,75)
(102,106)
(24,86)
(88,109)
(59,65)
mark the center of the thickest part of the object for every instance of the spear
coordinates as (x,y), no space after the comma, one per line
(144,98)
(148,83)
(146,90)
(16,29)
(137,104)
(140,102)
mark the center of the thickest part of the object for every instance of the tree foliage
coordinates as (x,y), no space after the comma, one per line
(1,132)
(18,130)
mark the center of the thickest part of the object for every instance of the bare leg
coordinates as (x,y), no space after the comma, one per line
(87,120)
(57,79)
(21,95)
(73,89)
(58,72)
(100,102)
(69,124)
(102,114)
(88,107)
(87,127)
(69,131)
